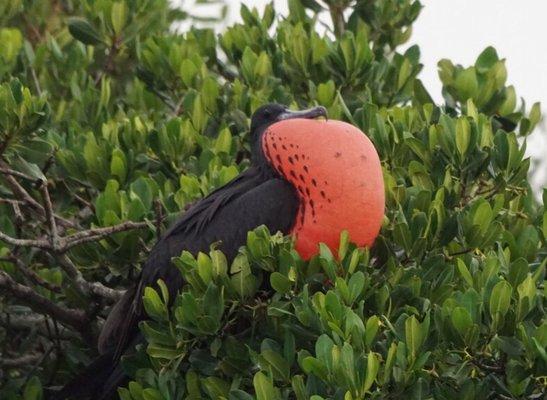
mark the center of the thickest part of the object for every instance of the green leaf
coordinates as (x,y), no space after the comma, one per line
(373,365)
(119,16)
(356,285)
(153,305)
(464,272)
(343,246)
(461,320)
(500,299)
(151,394)
(486,60)
(404,73)
(463,136)
(216,388)
(466,84)
(223,144)
(82,30)
(33,389)
(188,71)
(413,335)
(279,365)
(264,387)
(280,282)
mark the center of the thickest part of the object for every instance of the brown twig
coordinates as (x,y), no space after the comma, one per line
(459,253)
(95,234)
(41,244)
(39,323)
(84,202)
(50,216)
(12,172)
(30,275)
(85,287)
(68,242)
(75,318)
(20,192)
(11,201)
(22,361)
(108,65)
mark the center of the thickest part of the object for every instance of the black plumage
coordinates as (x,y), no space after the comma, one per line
(258,196)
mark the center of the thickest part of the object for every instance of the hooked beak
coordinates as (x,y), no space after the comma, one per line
(310,113)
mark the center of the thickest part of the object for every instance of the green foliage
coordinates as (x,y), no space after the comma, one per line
(131,121)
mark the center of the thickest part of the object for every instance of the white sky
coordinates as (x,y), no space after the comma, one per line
(460,30)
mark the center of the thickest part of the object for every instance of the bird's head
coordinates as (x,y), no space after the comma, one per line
(269,114)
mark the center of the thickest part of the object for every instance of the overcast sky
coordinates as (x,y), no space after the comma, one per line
(460,30)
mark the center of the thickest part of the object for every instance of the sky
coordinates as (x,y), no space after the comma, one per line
(460,30)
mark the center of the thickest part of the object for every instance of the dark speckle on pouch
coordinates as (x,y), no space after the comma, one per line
(306,168)
(337,154)
(313,182)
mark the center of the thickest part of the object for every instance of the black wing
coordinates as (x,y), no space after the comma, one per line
(224,216)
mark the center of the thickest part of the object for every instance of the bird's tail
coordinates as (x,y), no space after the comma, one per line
(98,381)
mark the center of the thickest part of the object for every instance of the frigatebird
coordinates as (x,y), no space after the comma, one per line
(308,177)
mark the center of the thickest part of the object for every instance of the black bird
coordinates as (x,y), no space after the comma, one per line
(258,196)
(311,179)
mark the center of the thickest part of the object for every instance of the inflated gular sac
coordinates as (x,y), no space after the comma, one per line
(337,173)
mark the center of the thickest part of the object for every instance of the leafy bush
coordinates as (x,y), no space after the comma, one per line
(111,124)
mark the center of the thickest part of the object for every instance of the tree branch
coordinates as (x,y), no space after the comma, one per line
(8,171)
(75,318)
(20,192)
(41,244)
(22,361)
(50,216)
(39,323)
(30,274)
(95,234)
(85,287)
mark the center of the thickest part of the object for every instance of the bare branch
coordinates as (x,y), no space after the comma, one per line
(41,244)
(55,241)
(39,323)
(12,172)
(22,361)
(11,201)
(20,192)
(95,288)
(39,303)
(95,234)
(30,274)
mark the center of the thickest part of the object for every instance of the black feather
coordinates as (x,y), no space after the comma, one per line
(254,198)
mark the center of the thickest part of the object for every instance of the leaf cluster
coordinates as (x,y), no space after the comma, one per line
(110,120)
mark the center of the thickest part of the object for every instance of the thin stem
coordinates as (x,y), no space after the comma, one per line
(75,318)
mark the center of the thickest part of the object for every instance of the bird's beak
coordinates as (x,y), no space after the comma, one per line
(310,113)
